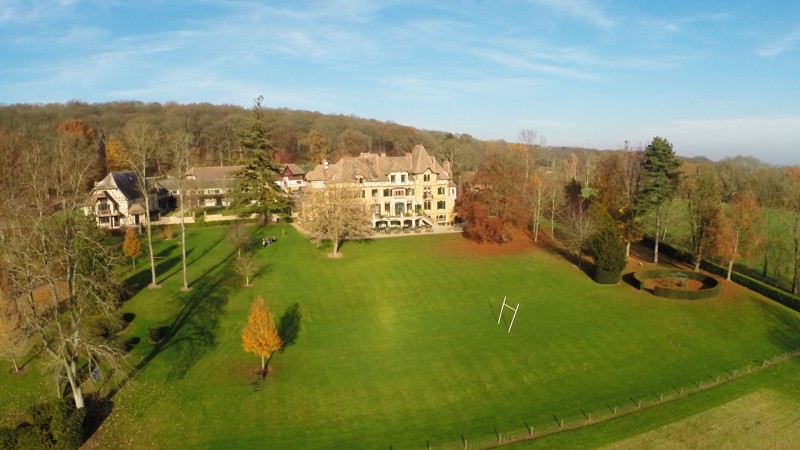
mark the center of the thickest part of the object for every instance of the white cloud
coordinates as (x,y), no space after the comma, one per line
(584,10)
(779,46)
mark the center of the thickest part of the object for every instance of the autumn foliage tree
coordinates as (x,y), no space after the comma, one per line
(116,160)
(736,230)
(260,336)
(132,246)
(494,204)
(701,190)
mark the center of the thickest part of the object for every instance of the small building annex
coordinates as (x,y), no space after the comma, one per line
(116,201)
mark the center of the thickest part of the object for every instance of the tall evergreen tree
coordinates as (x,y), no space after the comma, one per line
(257,190)
(659,178)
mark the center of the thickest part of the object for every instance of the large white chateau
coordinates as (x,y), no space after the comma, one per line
(412,190)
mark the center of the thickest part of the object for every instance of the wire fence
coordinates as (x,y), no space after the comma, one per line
(492,437)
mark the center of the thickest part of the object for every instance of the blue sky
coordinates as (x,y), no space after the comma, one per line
(716,78)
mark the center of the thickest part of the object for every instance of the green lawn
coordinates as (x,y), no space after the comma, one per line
(398,345)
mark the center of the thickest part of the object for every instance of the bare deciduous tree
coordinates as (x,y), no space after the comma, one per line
(334,213)
(141,144)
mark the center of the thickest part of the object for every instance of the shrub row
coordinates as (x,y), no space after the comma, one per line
(683,294)
(784,298)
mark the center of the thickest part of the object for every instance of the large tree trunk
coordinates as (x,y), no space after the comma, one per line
(627,250)
(183,244)
(153,283)
(74,384)
(733,257)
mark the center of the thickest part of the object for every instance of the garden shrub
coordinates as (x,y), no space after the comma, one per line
(53,425)
(157,334)
(8,437)
(608,249)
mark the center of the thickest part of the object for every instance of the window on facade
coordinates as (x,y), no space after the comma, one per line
(392,178)
(374,192)
(399,192)
(440,191)
(363,194)
(427,204)
(376,209)
(409,206)
(441,204)
(426,177)
(387,192)
(410,191)
(403,178)
(387,207)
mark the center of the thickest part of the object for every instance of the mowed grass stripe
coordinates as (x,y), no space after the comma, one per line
(399,344)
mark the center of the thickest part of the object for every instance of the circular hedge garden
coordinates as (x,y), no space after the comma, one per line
(678,284)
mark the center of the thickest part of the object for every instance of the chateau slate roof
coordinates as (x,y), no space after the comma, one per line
(375,167)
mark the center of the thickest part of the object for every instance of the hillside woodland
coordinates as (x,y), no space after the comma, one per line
(522,185)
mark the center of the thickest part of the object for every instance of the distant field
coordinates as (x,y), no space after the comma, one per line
(751,421)
(399,346)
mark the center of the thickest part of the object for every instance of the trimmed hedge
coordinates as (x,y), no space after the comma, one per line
(784,298)
(711,287)
(606,277)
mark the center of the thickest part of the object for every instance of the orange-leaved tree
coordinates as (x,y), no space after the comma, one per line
(132,247)
(260,336)
(736,230)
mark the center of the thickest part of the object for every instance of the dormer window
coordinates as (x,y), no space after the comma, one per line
(426,177)
(359,179)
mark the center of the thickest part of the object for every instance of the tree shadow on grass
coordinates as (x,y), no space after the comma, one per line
(192,332)
(785,326)
(289,325)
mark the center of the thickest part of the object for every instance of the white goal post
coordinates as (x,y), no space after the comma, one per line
(502,308)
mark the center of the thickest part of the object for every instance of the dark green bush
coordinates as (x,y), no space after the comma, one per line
(8,437)
(157,334)
(53,425)
(607,248)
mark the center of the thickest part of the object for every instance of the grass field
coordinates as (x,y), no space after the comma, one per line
(398,345)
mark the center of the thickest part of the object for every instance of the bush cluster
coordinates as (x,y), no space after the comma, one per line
(52,425)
